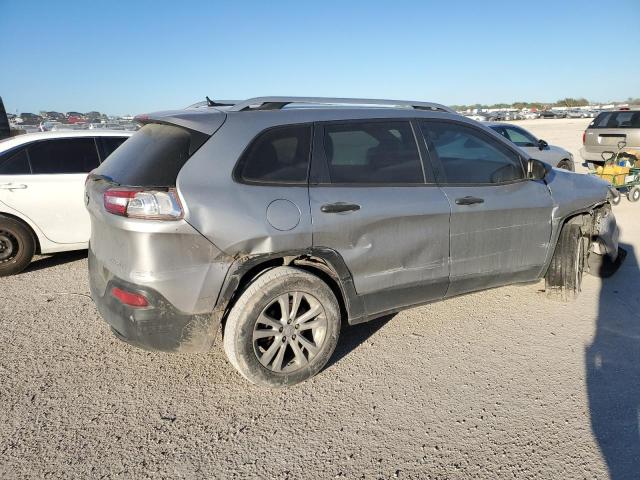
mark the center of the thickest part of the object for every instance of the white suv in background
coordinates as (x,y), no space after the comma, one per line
(42,179)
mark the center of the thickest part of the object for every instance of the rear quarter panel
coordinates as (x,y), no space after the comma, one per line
(232,215)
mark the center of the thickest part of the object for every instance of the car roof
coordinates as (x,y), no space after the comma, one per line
(37,136)
(208,120)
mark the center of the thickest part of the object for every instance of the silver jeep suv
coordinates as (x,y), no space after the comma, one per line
(278,218)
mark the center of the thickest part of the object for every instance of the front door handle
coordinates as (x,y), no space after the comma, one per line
(13,186)
(339,207)
(469,200)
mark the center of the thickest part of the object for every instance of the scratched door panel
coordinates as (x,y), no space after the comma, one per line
(398,238)
(502,240)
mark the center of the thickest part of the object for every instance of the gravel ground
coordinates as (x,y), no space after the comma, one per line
(499,384)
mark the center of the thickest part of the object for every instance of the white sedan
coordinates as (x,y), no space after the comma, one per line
(42,179)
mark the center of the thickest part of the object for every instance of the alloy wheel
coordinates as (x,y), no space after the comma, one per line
(289,332)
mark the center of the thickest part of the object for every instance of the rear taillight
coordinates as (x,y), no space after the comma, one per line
(141,203)
(584,137)
(129,298)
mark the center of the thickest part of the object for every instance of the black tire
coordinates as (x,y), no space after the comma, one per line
(17,246)
(633,195)
(564,276)
(615,197)
(565,165)
(242,324)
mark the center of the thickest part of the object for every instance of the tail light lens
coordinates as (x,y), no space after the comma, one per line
(584,137)
(129,298)
(142,203)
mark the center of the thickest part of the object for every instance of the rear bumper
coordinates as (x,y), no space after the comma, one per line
(160,326)
(591,156)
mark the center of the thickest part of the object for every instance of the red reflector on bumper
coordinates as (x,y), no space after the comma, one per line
(128,298)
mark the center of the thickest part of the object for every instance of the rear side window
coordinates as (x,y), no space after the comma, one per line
(66,155)
(278,155)
(628,119)
(107,145)
(15,163)
(375,152)
(469,157)
(152,157)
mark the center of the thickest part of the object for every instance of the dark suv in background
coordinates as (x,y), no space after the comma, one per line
(279,217)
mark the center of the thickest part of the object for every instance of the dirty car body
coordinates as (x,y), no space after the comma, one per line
(377,202)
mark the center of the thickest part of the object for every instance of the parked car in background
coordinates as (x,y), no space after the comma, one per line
(536,148)
(42,179)
(279,223)
(530,115)
(577,113)
(475,116)
(552,114)
(493,116)
(606,132)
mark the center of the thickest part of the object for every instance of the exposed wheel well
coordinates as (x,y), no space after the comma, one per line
(315,265)
(18,219)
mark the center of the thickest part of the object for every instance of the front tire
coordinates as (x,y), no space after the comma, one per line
(17,246)
(615,197)
(564,276)
(283,329)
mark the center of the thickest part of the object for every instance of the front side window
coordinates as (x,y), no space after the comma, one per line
(470,157)
(15,163)
(278,155)
(520,137)
(375,152)
(66,155)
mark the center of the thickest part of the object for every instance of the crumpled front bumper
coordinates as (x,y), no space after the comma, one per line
(607,235)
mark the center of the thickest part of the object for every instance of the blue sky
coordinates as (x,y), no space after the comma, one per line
(136,56)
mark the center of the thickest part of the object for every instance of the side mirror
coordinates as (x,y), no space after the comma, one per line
(537,170)
(542,144)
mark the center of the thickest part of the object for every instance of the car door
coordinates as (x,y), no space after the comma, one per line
(500,221)
(51,194)
(373,202)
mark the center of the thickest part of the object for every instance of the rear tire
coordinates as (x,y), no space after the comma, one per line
(283,329)
(564,276)
(17,246)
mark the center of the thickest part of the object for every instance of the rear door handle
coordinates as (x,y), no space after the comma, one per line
(469,200)
(339,207)
(13,186)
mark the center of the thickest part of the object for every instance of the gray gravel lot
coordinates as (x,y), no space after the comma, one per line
(498,384)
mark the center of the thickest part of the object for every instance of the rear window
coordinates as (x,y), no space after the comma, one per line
(628,119)
(107,145)
(152,157)
(278,155)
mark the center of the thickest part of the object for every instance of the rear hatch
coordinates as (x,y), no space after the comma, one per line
(132,244)
(609,129)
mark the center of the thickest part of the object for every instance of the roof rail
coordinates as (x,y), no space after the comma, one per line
(277,103)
